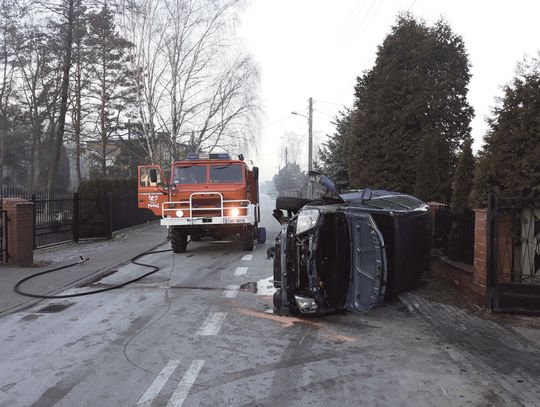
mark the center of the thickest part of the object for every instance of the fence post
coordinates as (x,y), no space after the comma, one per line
(492,245)
(75,226)
(34,215)
(108,214)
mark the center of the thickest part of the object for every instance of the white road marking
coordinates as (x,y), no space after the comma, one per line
(231,291)
(151,393)
(212,324)
(247,257)
(240,271)
(182,391)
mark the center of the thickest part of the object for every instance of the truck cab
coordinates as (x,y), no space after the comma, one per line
(204,195)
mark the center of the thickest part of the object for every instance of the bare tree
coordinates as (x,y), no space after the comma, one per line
(110,89)
(196,88)
(144,23)
(8,11)
(79,83)
(212,85)
(293,142)
(40,75)
(66,12)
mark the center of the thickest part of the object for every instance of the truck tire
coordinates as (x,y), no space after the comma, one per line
(247,240)
(287,203)
(261,235)
(178,241)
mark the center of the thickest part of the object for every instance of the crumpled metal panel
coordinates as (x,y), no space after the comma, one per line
(368,266)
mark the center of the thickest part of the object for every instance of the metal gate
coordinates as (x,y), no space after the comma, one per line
(514,255)
(53,218)
(3,235)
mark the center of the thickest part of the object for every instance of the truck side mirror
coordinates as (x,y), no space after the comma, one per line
(153,175)
(256,173)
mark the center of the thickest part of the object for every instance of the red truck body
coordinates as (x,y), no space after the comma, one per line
(215,197)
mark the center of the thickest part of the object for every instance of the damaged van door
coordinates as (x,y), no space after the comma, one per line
(368,269)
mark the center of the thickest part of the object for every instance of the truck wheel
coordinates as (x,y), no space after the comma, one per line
(261,235)
(247,240)
(195,237)
(178,241)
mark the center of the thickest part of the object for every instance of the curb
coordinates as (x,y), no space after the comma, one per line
(403,298)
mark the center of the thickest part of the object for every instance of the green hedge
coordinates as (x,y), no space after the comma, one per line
(91,202)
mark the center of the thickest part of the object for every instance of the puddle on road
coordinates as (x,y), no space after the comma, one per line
(30,317)
(264,287)
(52,308)
(249,287)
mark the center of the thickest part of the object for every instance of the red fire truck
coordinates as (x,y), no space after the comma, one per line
(205,195)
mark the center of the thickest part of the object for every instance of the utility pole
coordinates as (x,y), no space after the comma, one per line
(310,134)
(286,161)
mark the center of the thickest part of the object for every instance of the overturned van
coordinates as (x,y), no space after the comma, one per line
(347,250)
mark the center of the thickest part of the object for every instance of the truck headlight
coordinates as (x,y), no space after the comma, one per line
(235,212)
(179,213)
(307,219)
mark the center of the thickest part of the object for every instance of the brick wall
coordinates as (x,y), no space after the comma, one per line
(480,252)
(20,231)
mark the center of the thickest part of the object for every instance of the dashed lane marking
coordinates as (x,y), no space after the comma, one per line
(240,271)
(182,391)
(151,393)
(247,257)
(212,324)
(231,291)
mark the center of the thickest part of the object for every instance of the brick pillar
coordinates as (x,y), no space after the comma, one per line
(20,231)
(480,268)
(434,207)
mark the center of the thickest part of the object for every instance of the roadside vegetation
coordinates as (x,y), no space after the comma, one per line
(409,127)
(93,88)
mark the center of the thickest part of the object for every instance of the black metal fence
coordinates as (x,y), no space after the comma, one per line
(3,235)
(53,217)
(454,234)
(514,255)
(62,217)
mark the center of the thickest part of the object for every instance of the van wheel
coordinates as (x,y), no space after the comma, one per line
(287,203)
(178,241)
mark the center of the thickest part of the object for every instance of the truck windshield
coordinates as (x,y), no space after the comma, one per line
(193,174)
(226,173)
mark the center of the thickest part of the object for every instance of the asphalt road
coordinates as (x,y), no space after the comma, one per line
(200,332)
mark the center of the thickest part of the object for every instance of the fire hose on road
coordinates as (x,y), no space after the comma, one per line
(155,269)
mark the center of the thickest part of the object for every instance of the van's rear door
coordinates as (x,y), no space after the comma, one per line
(368,264)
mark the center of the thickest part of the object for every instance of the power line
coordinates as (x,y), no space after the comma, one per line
(330,103)
(351,39)
(276,122)
(411,6)
(326,113)
(359,29)
(352,18)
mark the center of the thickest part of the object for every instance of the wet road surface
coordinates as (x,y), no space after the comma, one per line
(200,332)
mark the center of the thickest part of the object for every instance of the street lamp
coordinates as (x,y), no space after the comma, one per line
(309,117)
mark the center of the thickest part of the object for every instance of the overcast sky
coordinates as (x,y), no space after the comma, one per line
(316,48)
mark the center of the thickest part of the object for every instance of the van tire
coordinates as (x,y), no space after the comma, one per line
(287,203)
